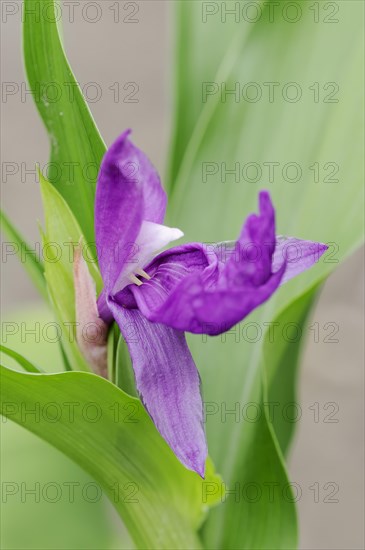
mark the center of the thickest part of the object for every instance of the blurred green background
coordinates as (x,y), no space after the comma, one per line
(141,54)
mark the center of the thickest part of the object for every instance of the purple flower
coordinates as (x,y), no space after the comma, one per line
(193,287)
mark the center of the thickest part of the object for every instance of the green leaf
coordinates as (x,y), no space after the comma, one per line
(76,145)
(111,436)
(65,360)
(62,235)
(112,344)
(236,133)
(43,514)
(281,357)
(260,493)
(22,361)
(54,501)
(125,378)
(32,264)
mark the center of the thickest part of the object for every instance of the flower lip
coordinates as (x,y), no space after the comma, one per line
(211,301)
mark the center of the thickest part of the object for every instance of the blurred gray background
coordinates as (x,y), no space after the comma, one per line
(106,53)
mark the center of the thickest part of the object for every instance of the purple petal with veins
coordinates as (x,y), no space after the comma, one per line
(128,193)
(168,383)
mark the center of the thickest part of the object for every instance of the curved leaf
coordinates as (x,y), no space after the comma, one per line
(111,436)
(22,361)
(281,358)
(43,491)
(32,264)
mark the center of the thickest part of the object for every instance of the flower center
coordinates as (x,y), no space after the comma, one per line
(152,238)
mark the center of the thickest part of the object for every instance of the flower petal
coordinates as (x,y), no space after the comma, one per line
(91,331)
(215,296)
(129,192)
(210,296)
(194,307)
(168,383)
(299,255)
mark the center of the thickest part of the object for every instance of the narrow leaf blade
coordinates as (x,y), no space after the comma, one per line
(32,264)
(76,145)
(22,361)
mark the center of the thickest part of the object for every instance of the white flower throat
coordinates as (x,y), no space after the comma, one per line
(152,238)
